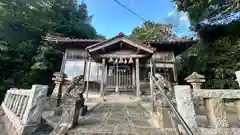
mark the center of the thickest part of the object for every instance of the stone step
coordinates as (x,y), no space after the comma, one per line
(124,131)
(53,120)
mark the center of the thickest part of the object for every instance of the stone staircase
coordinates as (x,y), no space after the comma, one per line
(116,117)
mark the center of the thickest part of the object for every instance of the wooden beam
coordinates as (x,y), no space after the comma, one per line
(162,65)
(104,45)
(108,43)
(137,45)
(122,56)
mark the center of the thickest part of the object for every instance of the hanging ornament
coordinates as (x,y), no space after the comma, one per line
(110,60)
(116,61)
(125,61)
(121,61)
(130,61)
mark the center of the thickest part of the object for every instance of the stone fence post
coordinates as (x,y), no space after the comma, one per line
(35,104)
(185,106)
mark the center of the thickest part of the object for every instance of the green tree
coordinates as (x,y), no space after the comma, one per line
(211,10)
(151,31)
(216,55)
(25,58)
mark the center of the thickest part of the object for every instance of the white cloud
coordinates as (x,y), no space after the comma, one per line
(184,17)
(171,13)
(181,21)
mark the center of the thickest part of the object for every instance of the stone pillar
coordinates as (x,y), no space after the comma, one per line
(185,106)
(210,112)
(238,76)
(76,112)
(216,113)
(196,80)
(57,91)
(35,105)
(137,79)
(237,104)
(102,80)
(6,98)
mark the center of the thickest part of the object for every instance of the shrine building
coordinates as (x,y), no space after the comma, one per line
(118,64)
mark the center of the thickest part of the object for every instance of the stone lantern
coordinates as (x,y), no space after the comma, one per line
(196,80)
(57,91)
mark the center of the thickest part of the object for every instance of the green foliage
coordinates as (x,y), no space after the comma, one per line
(151,31)
(26,59)
(211,10)
(217,54)
(217,61)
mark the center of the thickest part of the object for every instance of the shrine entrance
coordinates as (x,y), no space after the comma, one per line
(120,58)
(120,77)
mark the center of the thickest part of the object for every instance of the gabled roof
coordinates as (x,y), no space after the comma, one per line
(119,38)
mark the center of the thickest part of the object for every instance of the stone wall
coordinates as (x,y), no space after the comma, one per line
(24,107)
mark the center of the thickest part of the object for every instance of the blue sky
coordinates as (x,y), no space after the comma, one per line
(109,18)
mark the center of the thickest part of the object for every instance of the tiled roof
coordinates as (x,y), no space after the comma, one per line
(119,36)
(96,42)
(67,39)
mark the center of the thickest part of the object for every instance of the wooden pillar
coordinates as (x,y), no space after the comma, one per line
(103,76)
(174,74)
(63,65)
(137,79)
(133,75)
(151,85)
(88,74)
(117,80)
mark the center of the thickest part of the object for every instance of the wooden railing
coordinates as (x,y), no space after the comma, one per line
(24,107)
